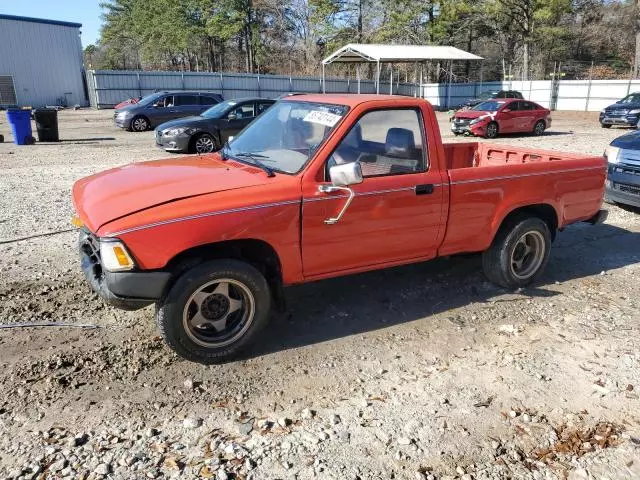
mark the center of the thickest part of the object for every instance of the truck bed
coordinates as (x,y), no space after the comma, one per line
(486,177)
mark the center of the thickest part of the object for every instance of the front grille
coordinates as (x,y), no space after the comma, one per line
(625,170)
(632,189)
(91,246)
(462,122)
(616,113)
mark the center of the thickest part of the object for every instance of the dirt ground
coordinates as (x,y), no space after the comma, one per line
(424,371)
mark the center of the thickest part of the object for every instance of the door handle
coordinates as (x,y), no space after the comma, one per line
(425,189)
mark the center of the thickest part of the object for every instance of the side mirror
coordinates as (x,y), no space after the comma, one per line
(232,116)
(156,105)
(341,177)
(346,174)
(230,138)
(506,110)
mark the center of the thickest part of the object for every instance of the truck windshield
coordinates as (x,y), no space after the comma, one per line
(285,136)
(490,106)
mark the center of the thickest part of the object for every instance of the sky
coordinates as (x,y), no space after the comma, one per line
(86,12)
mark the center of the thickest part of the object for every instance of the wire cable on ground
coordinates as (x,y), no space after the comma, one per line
(37,235)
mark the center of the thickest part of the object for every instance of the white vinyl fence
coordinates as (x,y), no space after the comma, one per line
(577,95)
(109,87)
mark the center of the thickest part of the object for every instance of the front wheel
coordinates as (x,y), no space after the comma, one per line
(204,143)
(491,130)
(519,252)
(605,125)
(140,124)
(214,310)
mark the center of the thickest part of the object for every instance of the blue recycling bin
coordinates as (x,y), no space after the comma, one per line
(20,121)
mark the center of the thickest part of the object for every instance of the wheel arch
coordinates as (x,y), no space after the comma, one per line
(257,253)
(545,211)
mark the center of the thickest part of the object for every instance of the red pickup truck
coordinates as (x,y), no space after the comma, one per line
(318,186)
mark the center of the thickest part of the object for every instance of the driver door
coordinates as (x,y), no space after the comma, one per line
(238,118)
(396,212)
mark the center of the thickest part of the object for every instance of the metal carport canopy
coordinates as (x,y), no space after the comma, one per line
(361,52)
(377,53)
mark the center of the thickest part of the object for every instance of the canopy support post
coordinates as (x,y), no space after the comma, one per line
(378,77)
(358,76)
(323,82)
(449,85)
(391,79)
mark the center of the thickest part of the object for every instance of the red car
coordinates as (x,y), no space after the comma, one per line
(496,116)
(130,101)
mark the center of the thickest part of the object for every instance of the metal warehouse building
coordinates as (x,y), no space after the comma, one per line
(40,62)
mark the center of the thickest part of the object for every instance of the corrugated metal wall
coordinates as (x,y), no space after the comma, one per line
(109,87)
(45,61)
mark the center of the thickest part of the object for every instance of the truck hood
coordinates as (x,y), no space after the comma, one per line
(116,193)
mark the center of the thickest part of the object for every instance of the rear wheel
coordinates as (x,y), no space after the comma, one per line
(139,124)
(214,311)
(204,143)
(491,130)
(539,128)
(519,252)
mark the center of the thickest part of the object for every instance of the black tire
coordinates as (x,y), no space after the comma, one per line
(172,312)
(539,128)
(1,138)
(204,139)
(605,125)
(491,130)
(497,260)
(140,123)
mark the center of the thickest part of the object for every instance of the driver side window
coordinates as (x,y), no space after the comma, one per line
(385,142)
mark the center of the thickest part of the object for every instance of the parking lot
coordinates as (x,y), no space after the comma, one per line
(418,371)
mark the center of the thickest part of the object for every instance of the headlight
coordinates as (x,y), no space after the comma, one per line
(114,256)
(612,154)
(123,114)
(634,112)
(173,132)
(476,120)
(603,111)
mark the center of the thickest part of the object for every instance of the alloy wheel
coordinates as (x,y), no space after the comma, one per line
(204,144)
(140,124)
(219,313)
(527,255)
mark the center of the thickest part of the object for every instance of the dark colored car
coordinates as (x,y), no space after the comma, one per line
(623,170)
(161,107)
(209,131)
(625,112)
(483,97)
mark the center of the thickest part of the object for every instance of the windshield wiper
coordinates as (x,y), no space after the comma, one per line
(255,157)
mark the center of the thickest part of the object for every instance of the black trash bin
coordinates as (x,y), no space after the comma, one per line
(47,124)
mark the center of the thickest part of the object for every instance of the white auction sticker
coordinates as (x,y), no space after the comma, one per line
(323,118)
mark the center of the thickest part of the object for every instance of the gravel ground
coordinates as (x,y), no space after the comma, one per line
(424,371)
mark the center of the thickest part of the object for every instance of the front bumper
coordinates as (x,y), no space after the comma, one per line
(121,122)
(125,290)
(623,184)
(176,143)
(464,129)
(625,120)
